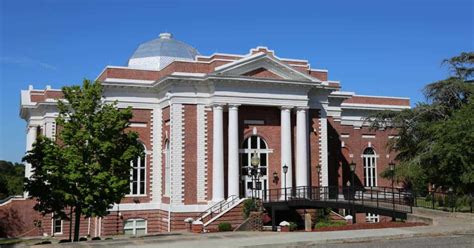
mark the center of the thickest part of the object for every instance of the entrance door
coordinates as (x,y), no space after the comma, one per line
(254,185)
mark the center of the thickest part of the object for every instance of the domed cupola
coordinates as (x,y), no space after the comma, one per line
(158,53)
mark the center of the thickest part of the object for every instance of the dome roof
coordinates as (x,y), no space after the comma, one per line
(158,53)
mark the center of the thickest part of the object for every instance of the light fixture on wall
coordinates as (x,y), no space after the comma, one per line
(275,177)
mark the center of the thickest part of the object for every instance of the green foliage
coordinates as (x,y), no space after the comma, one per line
(89,167)
(329,223)
(11,178)
(293,226)
(249,206)
(436,138)
(224,227)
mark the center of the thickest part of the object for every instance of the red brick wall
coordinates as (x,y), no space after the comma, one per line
(355,145)
(143,116)
(270,131)
(190,154)
(262,73)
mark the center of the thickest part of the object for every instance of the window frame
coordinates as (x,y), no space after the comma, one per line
(134,226)
(54,226)
(139,178)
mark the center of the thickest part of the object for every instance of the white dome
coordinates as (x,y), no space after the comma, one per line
(158,53)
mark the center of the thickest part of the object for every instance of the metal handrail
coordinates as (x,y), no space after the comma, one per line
(218,207)
(395,199)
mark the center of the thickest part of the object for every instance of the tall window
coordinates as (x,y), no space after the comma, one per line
(370,177)
(254,144)
(134,227)
(57,226)
(370,167)
(138,176)
(167,155)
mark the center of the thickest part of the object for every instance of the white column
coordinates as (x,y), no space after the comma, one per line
(217,155)
(233,155)
(31,135)
(286,146)
(324,149)
(301,148)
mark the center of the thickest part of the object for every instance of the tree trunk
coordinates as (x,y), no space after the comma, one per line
(77,223)
(70,225)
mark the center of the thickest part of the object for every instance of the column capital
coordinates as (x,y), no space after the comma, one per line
(286,107)
(218,106)
(302,108)
(233,106)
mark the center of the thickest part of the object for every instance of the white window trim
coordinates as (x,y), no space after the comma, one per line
(138,176)
(167,177)
(134,227)
(53,225)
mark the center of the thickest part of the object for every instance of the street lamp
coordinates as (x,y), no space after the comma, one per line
(352,167)
(392,173)
(318,170)
(254,161)
(285,170)
(451,198)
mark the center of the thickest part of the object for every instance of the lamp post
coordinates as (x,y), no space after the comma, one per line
(285,170)
(255,161)
(451,198)
(352,167)
(392,173)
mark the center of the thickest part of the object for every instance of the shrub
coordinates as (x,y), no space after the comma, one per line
(95,238)
(224,227)
(326,223)
(82,239)
(293,226)
(249,206)
(64,241)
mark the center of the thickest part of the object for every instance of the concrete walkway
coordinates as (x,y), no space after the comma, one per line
(443,224)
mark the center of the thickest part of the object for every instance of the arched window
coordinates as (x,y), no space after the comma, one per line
(138,175)
(253,144)
(167,162)
(370,177)
(370,167)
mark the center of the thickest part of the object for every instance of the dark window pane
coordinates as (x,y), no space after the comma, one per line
(249,185)
(142,188)
(142,162)
(244,171)
(142,175)
(134,174)
(263,171)
(245,159)
(262,144)
(259,185)
(253,142)
(246,143)
(134,188)
(263,159)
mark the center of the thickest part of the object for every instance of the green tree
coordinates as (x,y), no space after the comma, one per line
(435,143)
(11,178)
(88,168)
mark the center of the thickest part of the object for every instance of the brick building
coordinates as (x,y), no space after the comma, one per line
(202,118)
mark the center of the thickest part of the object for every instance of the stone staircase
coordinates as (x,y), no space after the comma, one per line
(229,210)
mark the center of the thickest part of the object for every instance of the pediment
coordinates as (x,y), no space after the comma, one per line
(262,73)
(262,65)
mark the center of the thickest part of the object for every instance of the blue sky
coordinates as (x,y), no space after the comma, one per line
(373,47)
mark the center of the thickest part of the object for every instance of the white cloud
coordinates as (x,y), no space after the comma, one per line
(26,61)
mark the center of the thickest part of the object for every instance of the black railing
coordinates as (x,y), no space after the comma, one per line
(442,200)
(375,197)
(218,208)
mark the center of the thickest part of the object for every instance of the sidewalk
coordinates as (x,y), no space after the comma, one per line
(443,224)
